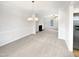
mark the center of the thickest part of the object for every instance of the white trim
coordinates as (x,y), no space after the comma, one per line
(12,40)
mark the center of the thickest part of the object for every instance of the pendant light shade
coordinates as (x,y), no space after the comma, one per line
(30,19)
(33,18)
(36,19)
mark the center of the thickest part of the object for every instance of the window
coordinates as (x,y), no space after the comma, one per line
(51,22)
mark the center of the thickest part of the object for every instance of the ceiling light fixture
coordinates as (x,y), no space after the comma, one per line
(33,17)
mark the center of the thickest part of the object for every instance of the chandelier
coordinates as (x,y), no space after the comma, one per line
(33,17)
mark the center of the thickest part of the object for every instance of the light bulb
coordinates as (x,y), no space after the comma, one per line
(36,19)
(30,19)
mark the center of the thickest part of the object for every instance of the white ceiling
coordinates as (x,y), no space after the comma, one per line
(41,4)
(42,8)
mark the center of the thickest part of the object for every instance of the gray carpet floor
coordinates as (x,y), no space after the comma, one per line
(42,44)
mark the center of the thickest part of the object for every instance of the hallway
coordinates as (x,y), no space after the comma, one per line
(44,44)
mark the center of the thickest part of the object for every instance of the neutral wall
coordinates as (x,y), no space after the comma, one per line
(13,23)
(61,24)
(70,45)
(66,26)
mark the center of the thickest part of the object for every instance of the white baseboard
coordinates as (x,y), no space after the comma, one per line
(14,39)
